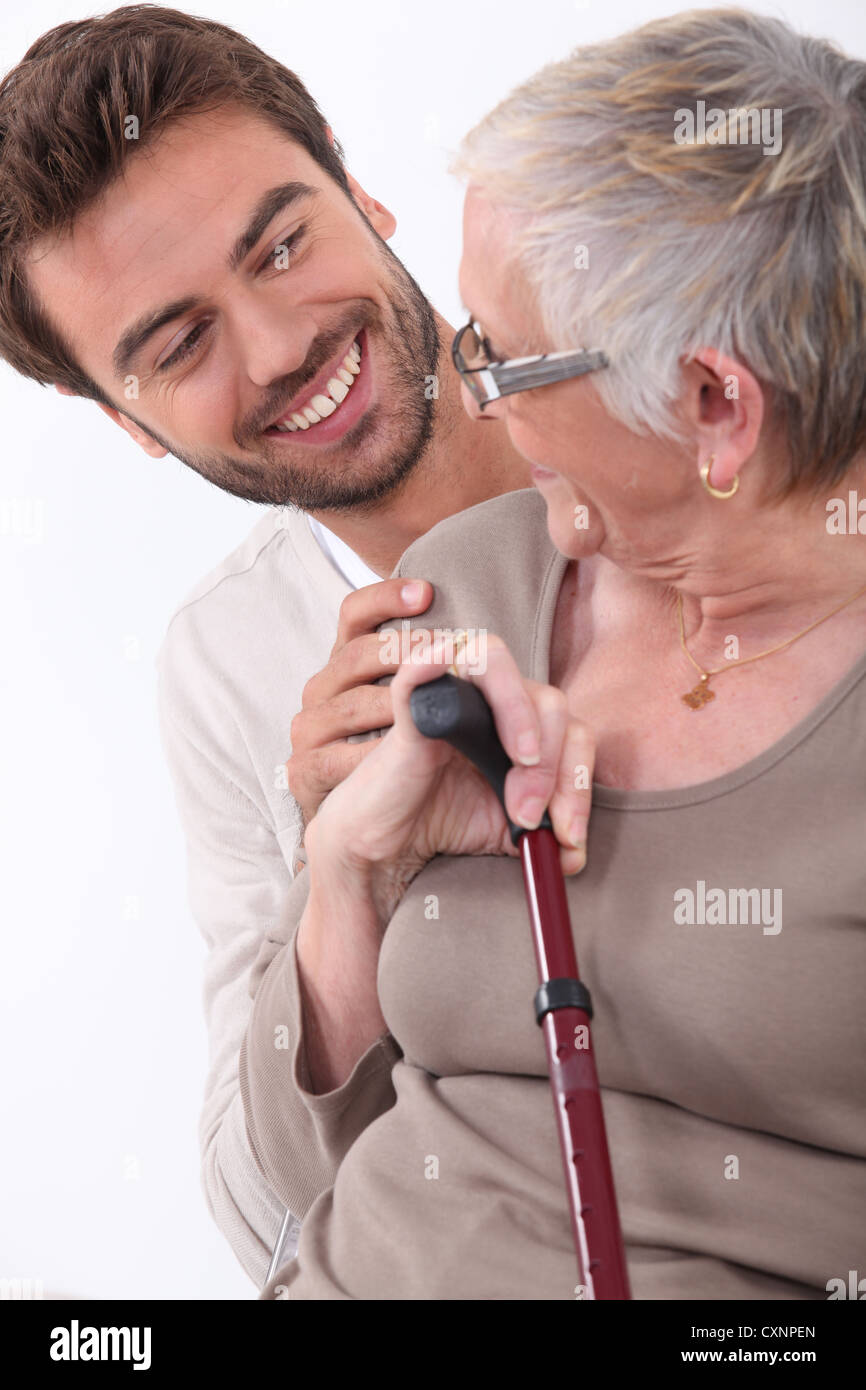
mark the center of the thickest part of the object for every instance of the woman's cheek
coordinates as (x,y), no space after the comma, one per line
(543,439)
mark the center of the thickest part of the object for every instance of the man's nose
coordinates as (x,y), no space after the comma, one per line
(273,347)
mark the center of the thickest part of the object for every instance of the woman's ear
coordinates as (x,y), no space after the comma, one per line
(727,409)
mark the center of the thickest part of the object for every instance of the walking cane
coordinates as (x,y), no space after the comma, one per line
(456,711)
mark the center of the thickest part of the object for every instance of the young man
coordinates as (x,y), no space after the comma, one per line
(190,254)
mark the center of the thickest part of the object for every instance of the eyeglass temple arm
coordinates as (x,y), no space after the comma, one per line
(503,381)
(558,367)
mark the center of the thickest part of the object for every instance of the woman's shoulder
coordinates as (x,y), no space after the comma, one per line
(488,566)
(518,517)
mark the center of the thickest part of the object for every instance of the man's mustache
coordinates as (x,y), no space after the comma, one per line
(293,387)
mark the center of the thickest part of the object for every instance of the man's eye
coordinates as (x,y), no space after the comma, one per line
(286,244)
(186,348)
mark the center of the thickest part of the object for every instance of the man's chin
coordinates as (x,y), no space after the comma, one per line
(349,478)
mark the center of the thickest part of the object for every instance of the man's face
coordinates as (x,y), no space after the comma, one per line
(269,333)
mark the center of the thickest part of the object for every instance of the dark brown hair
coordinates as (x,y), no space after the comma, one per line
(62,139)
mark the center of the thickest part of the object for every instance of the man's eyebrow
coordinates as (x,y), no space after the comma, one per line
(274,201)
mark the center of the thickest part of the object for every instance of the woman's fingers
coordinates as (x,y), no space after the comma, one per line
(561,782)
(553,753)
(571,803)
(508,695)
(503,686)
(533,723)
(528,790)
(426,664)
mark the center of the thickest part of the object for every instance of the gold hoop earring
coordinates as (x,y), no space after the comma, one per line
(714,491)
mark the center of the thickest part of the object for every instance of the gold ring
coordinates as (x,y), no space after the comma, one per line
(460,638)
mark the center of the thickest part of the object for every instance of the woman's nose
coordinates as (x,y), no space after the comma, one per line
(492,410)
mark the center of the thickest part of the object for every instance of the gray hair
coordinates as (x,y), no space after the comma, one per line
(696,243)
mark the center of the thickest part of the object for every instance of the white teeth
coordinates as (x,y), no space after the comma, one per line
(321,406)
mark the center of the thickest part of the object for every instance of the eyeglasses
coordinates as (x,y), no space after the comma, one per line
(488,380)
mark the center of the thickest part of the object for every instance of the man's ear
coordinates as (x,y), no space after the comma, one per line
(141,437)
(147,442)
(380,217)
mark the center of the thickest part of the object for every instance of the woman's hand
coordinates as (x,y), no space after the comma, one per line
(413,797)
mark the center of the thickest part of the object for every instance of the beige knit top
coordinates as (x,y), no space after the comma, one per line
(730,1047)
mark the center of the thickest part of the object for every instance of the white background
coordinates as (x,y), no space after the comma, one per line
(102,1036)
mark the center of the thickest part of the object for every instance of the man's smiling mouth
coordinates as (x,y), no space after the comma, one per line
(327,401)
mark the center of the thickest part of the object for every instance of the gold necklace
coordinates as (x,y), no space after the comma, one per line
(701,695)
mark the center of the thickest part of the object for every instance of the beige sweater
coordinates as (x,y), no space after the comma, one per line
(730,1052)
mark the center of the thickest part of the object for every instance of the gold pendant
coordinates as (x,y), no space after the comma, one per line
(700,696)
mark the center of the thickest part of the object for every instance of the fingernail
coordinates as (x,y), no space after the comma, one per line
(410,593)
(530,813)
(528,750)
(577,832)
(574,860)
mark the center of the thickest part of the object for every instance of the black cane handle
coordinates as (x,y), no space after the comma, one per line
(456,710)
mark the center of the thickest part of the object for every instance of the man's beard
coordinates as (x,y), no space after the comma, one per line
(413,339)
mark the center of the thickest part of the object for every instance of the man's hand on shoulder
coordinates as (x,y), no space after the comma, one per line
(343,698)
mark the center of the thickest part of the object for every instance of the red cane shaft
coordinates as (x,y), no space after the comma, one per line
(574,1081)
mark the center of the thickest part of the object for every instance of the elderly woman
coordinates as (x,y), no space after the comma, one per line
(676,660)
